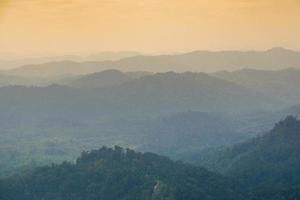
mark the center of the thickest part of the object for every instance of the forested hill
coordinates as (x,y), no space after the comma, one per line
(264,168)
(113,174)
(270,160)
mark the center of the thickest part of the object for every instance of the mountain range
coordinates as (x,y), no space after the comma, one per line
(135,109)
(279,86)
(7,64)
(266,167)
(197,61)
(282,84)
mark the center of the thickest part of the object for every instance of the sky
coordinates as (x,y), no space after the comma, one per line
(53,27)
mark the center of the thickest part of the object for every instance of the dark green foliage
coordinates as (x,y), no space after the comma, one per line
(272,158)
(267,163)
(120,174)
(264,168)
(276,193)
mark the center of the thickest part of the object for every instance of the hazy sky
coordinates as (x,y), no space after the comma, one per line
(29,27)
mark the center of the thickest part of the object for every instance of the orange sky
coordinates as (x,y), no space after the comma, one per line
(40,27)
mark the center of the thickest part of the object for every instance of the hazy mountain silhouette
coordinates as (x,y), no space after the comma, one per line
(209,61)
(189,91)
(152,94)
(102,56)
(101,79)
(179,134)
(6,80)
(108,55)
(58,68)
(204,61)
(281,84)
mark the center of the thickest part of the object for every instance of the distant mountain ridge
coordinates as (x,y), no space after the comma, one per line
(188,132)
(102,56)
(101,79)
(188,91)
(282,84)
(204,61)
(161,93)
(278,85)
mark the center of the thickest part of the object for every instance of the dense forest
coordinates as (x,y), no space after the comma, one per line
(111,174)
(266,167)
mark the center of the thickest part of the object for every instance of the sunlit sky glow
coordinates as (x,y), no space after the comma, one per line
(40,27)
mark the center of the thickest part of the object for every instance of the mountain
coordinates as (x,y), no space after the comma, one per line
(10,63)
(156,94)
(101,79)
(276,153)
(6,80)
(262,168)
(54,123)
(113,56)
(152,95)
(57,68)
(267,167)
(120,174)
(211,61)
(188,91)
(181,134)
(185,134)
(14,80)
(283,84)
(269,160)
(204,61)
